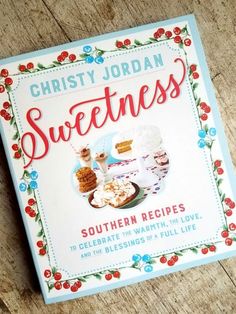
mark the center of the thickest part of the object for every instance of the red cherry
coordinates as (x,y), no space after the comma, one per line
(7,116)
(42,252)
(175,258)
(212,248)
(64,54)
(177,30)
(163,259)
(74,288)
(127,42)
(203,105)
(31,201)
(204,250)
(187,42)
(232,205)
(58,285)
(22,67)
(15,147)
(66,285)
(177,39)
(57,276)
(28,209)
(32,213)
(217,163)
(224,234)
(161,31)
(207,109)
(3,112)
(195,75)
(193,67)
(6,105)
(228,212)
(232,227)
(228,241)
(156,35)
(17,155)
(204,117)
(60,58)
(2,88)
(108,276)
(47,273)
(78,284)
(30,65)
(228,200)
(116,274)
(220,171)
(72,57)
(168,34)
(4,73)
(119,44)
(8,81)
(170,262)
(39,243)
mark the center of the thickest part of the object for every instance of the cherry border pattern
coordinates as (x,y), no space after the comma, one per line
(181,37)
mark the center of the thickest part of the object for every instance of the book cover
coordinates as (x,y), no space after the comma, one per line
(118,158)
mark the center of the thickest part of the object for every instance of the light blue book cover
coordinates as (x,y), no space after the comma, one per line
(118,157)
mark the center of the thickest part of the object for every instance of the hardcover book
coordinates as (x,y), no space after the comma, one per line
(118,158)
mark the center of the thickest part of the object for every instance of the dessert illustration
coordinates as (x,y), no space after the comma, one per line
(124,146)
(162,158)
(87,179)
(101,159)
(85,158)
(115,193)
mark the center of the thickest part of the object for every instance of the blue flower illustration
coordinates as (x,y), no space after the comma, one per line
(99,59)
(87,49)
(34,175)
(212,131)
(136,258)
(146,258)
(33,185)
(202,133)
(22,187)
(89,59)
(148,268)
(201,143)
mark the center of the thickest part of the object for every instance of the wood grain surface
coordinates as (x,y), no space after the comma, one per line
(35,24)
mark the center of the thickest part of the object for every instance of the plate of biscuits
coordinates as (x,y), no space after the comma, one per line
(86,180)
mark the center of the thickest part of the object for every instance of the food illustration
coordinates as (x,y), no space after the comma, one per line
(101,159)
(162,158)
(116,193)
(124,146)
(85,158)
(87,179)
(121,169)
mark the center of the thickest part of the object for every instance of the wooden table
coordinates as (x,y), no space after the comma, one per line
(27,25)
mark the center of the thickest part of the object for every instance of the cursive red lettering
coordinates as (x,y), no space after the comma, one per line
(28,140)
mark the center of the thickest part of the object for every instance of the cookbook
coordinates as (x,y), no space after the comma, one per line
(118,158)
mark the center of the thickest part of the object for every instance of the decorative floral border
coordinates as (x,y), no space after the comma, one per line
(28,183)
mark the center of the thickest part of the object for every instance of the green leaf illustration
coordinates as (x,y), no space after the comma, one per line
(15,136)
(194,250)
(178,254)
(137,42)
(40,66)
(40,233)
(98,276)
(29,190)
